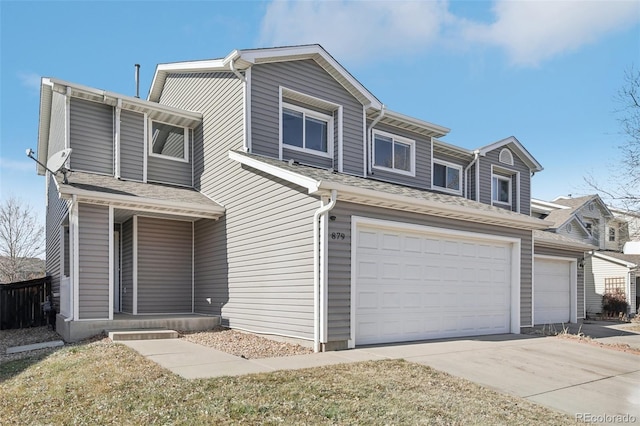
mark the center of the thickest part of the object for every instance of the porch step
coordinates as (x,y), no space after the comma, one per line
(120,335)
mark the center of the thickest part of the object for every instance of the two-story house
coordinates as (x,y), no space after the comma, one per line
(270,189)
(606,269)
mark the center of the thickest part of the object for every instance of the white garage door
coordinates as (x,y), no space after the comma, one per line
(551,291)
(415,286)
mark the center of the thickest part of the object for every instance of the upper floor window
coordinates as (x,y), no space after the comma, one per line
(501,190)
(447,177)
(169,141)
(307,130)
(393,153)
(612,234)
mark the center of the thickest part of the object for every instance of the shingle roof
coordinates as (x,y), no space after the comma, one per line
(549,238)
(559,217)
(631,258)
(330,179)
(130,193)
(574,202)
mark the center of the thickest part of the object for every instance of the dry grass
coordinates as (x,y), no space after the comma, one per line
(106,383)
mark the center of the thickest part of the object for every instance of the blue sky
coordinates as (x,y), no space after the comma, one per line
(545,72)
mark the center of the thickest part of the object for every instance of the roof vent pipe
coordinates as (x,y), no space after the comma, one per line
(137,80)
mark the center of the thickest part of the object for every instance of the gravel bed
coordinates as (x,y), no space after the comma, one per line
(26,336)
(243,344)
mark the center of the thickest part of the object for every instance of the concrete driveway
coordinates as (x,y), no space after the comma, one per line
(579,379)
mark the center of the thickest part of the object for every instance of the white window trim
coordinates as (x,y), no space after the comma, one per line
(509,154)
(395,138)
(168,157)
(312,114)
(449,165)
(503,178)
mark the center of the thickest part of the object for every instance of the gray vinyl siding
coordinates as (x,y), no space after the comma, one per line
(91,134)
(165,265)
(547,251)
(422,179)
(255,263)
(57,132)
(471,187)
(309,78)
(131,145)
(126,261)
(208,246)
(57,210)
(340,258)
(93,238)
(165,170)
(518,166)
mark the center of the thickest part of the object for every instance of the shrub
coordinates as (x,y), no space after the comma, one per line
(615,302)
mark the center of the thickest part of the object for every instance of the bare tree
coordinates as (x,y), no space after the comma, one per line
(625,191)
(22,240)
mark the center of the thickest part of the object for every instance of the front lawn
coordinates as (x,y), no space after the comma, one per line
(107,383)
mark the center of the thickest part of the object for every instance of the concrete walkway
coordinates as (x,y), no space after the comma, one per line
(562,374)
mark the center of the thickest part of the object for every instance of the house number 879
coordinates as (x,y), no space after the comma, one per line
(337,236)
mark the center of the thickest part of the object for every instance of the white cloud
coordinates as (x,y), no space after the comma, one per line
(528,31)
(30,80)
(358,29)
(534,31)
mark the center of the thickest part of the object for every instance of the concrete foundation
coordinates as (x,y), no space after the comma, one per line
(73,331)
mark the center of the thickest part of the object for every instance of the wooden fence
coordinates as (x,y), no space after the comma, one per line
(21,303)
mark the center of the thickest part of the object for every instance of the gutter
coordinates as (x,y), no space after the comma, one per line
(320,285)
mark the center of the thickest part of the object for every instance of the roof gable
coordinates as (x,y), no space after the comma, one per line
(518,149)
(579,203)
(239,60)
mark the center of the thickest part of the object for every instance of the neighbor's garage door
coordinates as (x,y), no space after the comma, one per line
(551,291)
(414,286)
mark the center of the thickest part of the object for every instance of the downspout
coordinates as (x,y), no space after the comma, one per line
(318,286)
(242,78)
(370,137)
(476,155)
(73,260)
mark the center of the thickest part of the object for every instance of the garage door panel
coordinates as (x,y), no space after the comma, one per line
(430,287)
(552,291)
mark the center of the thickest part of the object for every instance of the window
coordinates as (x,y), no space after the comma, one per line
(393,153)
(501,190)
(612,234)
(569,228)
(588,226)
(446,177)
(306,130)
(169,141)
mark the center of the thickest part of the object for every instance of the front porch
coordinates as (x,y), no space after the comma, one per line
(73,331)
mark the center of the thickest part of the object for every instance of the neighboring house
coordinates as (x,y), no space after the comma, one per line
(271,189)
(610,272)
(632,220)
(589,220)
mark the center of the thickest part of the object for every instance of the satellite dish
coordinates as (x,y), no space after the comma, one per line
(57,160)
(55,163)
